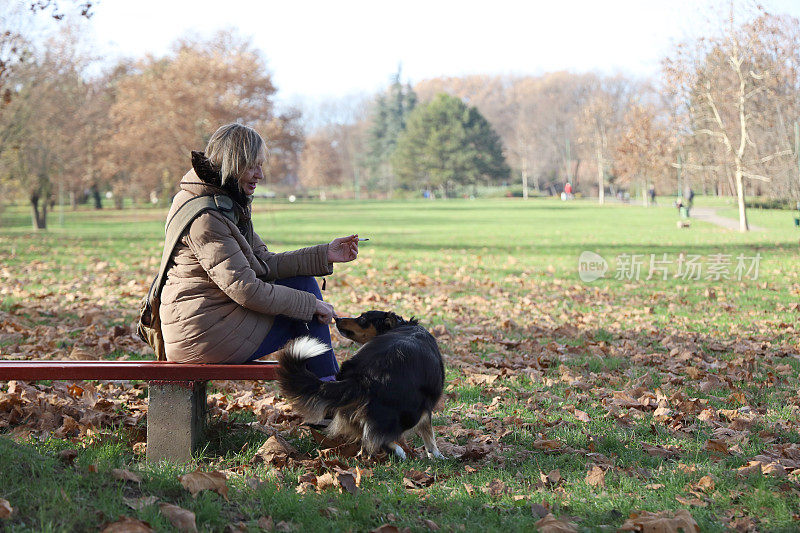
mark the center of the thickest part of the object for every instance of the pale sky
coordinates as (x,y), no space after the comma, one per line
(326,49)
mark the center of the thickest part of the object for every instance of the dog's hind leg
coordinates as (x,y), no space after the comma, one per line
(425,431)
(397,450)
(372,441)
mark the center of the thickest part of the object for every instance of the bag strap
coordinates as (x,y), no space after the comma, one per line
(177,224)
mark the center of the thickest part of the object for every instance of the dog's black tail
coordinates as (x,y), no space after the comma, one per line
(304,390)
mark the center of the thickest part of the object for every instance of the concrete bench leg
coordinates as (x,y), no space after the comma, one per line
(176,419)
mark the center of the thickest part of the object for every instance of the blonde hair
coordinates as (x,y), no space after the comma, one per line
(234,148)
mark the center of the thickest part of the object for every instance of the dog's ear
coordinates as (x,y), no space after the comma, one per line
(392,320)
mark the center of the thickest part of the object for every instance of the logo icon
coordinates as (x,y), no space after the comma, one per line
(591,266)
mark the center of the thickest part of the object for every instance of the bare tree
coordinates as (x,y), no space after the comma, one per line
(344,122)
(320,164)
(600,121)
(48,111)
(730,85)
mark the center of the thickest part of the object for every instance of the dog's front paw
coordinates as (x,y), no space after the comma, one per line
(436,454)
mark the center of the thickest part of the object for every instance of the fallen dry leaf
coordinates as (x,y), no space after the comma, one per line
(414,479)
(198,481)
(329,512)
(386,528)
(663,522)
(5,508)
(717,445)
(543,444)
(691,501)
(481,379)
(68,456)
(276,450)
(125,475)
(182,519)
(127,524)
(551,524)
(706,484)
(430,524)
(552,478)
(326,481)
(596,477)
(540,510)
(266,523)
(752,468)
(286,527)
(495,488)
(583,416)
(140,503)
(238,527)
(348,481)
(660,451)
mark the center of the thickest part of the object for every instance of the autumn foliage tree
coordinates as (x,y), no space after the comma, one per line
(644,148)
(166,107)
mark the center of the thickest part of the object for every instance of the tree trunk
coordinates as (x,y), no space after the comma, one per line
(601,186)
(644,193)
(731,181)
(525,178)
(739,154)
(98,201)
(38,216)
(743,225)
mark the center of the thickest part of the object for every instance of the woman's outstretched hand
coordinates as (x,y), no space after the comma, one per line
(324,312)
(343,249)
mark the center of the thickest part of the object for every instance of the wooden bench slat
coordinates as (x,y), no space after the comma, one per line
(124,370)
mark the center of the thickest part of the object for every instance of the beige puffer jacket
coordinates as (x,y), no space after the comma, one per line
(218,304)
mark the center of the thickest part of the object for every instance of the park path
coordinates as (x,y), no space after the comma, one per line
(709,214)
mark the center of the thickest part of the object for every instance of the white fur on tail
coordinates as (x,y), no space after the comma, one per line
(306,348)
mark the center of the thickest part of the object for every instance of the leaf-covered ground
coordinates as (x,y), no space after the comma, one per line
(570,405)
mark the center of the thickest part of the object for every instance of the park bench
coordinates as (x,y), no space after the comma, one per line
(176,411)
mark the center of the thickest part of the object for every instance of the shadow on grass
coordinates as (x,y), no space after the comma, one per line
(233,438)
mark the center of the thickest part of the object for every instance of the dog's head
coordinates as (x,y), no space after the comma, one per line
(368,325)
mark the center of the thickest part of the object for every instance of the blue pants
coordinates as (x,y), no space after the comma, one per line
(285,329)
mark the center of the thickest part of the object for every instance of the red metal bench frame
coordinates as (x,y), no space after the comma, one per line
(126,370)
(176,414)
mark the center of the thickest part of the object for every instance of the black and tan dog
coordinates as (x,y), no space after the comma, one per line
(387,389)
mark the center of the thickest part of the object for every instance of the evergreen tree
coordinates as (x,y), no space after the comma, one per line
(390,113)
(447,143)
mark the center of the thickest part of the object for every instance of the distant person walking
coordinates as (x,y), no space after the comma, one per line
(568,191)
(680,205)
(688,196)
(651,192)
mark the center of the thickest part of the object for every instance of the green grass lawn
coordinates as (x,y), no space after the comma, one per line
(663,384)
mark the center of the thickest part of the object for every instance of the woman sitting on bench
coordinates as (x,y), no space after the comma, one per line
(227,298)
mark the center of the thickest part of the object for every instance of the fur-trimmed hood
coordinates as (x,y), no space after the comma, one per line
(205,179)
